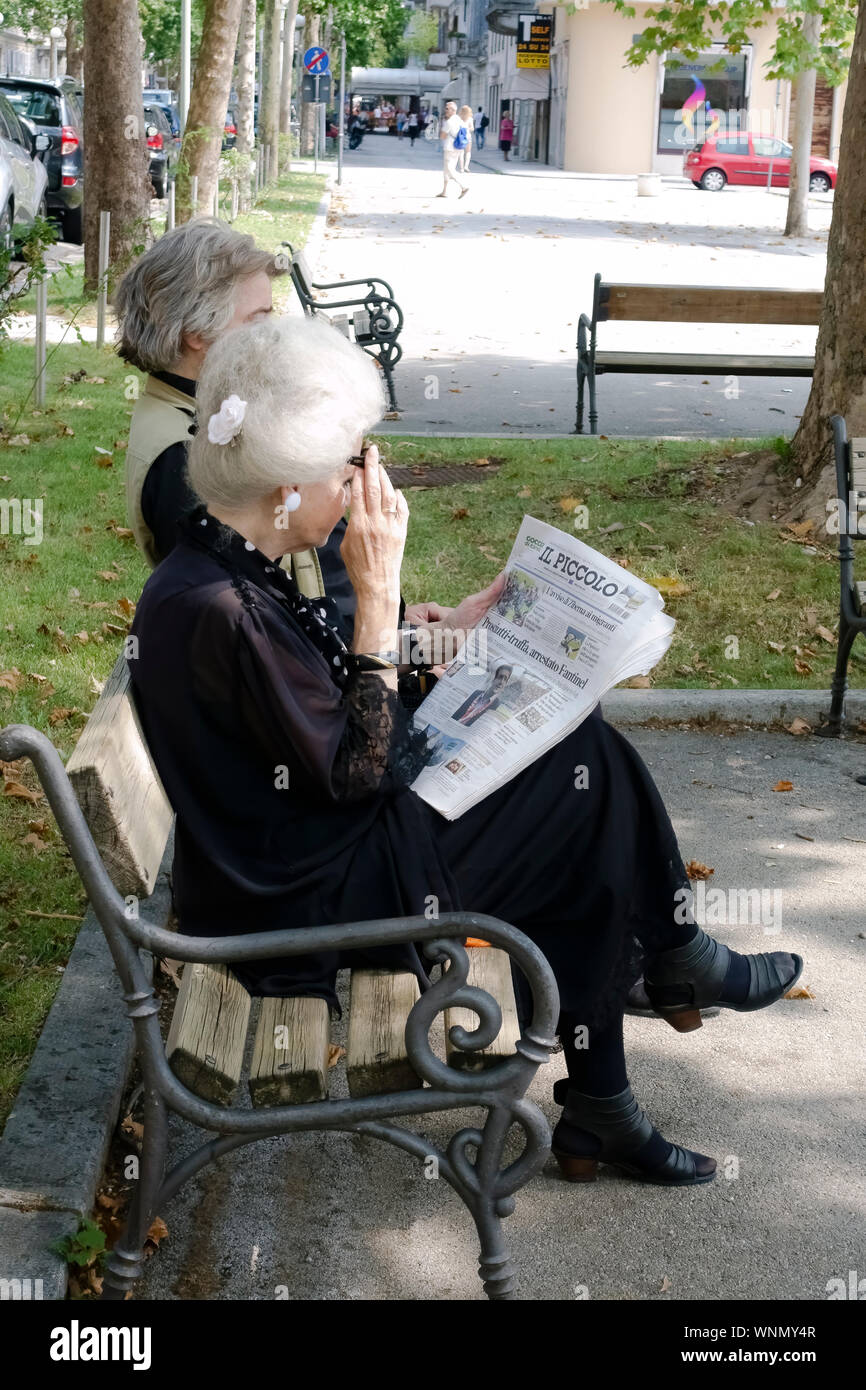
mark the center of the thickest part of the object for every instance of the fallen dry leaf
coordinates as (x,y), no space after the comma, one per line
(802,667)
(22,440)
(126,606)
(776,646)
(24,793)
(827,635)
(568,504)
(666,1285)
(11,680)
(799,726)
(61,713)
(667,584)
(695,870)
(525,492)
(110,576)
(34,842)
(775,594)
(784,787)
(132,1127)
(646,526)
(459,513)
(335,1052)
(800,992)
(158,1230)
(638,683)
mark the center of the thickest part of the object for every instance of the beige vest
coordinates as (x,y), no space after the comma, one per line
(162,417)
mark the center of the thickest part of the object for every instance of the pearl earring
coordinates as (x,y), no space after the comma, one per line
(292,502)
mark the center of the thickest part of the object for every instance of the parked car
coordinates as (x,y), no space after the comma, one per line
(23,176)
(55,109)
(165,99)
(744,158)
(160,147)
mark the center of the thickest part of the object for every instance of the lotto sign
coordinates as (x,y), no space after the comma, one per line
(533,40)
(316,61)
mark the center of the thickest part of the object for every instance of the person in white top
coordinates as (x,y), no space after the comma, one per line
(465,114)
(449,127)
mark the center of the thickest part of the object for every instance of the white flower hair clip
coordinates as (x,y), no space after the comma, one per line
(225,426)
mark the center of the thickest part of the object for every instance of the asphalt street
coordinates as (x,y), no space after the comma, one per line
(492,286)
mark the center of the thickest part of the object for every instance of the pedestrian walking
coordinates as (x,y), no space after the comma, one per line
(401,124)
(454,137)
(412,127)
(506,134)
(468,120)
(482,121)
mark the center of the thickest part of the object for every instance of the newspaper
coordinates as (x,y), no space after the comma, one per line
(569,625)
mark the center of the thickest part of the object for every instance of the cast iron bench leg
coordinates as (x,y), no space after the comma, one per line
(839,688)
(126,1261)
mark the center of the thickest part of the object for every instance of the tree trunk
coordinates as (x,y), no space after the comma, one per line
(269,100)
(74,51)
(208,102)
(115,154)
(839,383)
(288,65)
(797,223)
(309,111)
(247,78)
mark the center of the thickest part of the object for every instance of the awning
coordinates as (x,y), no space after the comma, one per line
(408,82)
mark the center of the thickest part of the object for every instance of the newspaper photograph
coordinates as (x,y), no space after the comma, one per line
(568,625)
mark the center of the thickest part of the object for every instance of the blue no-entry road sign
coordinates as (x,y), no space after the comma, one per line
(316,61)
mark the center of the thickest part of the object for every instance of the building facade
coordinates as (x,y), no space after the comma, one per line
(23,55)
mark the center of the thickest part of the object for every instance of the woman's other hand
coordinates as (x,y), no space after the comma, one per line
(471,610)
(423,614)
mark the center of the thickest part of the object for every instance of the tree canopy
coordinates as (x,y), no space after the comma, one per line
(690,26)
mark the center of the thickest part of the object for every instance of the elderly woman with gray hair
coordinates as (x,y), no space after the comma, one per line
(288,754)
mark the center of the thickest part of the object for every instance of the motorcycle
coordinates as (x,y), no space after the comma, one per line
(356,134)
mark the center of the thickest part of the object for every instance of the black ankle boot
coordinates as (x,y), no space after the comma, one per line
(682,982)
(614,1129)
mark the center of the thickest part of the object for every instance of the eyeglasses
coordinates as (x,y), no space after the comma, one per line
(358,460)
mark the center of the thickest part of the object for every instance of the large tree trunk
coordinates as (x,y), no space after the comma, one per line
(309,111)
(115,154)
(74,51)
(797,223)
(208,103)
(247,78)
(839,383)
(288,65)
(269,100)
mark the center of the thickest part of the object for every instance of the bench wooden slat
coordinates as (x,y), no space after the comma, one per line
(205,1047)
(119,790)
(376,1058)
(290,1052)
(858,464)
(707,304)
(860,591)
(490,970)
(689,363)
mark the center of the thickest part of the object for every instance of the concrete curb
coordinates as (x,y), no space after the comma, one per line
(54,1146)
(627,706)
(313,245)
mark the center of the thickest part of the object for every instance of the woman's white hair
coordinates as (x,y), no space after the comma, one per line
(309,394)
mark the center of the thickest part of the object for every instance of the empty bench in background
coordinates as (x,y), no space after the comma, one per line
(374,319)
(614,302)
(389,1058)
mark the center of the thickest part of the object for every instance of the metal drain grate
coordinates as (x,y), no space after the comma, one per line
(434,475)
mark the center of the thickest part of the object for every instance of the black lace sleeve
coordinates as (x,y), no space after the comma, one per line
(381,746)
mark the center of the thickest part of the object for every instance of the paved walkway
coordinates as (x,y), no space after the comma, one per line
(776,1097)
(492,287)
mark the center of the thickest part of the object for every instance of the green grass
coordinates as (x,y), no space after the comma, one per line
(460,536)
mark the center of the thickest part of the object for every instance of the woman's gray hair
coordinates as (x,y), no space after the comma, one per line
(309,394)
(185,283)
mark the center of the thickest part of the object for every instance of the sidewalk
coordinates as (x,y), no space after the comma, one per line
(492,288)
(776,1097)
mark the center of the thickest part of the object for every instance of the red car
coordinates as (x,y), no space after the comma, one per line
(745,158)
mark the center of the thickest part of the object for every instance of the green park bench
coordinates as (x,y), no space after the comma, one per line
(116,822)
(704,304)
(374,320)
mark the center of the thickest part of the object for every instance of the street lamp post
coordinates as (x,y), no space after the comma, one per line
(185,65)
(54,34)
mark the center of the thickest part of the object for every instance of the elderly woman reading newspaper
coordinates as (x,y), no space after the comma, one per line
(288,755)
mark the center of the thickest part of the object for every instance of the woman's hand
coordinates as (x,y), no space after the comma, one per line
(471,610)
(372,552)
(424,614)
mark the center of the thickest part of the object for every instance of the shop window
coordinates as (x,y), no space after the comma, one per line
(702,98)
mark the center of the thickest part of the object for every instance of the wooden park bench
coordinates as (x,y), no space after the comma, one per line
(116,821)
(850,460)
(687,304)
(374,320)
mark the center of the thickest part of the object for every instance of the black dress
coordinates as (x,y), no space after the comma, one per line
(288,768)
